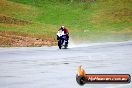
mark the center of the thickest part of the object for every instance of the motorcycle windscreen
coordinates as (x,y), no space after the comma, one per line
(60,33)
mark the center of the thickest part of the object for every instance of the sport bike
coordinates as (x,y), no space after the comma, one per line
(62,39)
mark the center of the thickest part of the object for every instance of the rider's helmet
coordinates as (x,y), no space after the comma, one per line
(62,27)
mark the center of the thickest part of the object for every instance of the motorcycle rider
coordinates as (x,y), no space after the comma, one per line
(66,33)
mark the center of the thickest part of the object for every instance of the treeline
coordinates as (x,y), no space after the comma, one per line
(72,0)
(50,1)
(75,0)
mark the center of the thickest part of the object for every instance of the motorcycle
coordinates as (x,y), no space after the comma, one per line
(62,39)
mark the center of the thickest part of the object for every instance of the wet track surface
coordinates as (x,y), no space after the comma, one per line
(49,67)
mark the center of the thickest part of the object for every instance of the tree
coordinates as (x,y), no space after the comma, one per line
(87,0)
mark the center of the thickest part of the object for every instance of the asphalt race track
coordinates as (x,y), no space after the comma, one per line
(50,67)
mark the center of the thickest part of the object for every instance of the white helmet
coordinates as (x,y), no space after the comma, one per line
(62,27)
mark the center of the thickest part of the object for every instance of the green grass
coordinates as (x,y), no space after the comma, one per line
(91,21)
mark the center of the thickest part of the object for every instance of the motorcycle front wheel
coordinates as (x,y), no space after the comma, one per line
(59,44)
